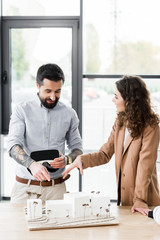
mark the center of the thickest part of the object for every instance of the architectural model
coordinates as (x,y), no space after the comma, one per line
(77,209)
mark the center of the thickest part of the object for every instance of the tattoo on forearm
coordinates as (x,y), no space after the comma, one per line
(19,155)
(75,153)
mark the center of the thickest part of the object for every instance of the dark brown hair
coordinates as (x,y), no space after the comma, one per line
(138,111)
(50,71)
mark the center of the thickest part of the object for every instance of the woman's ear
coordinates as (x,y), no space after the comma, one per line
(126,102)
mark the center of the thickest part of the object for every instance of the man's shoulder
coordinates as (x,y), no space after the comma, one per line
(26,104)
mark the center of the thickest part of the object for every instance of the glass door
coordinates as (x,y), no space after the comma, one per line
(27,45)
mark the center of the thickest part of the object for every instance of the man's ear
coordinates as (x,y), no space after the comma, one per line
(37,85)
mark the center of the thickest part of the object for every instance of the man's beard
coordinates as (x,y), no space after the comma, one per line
(49,105)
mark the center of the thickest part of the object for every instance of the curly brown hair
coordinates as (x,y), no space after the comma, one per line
(138,111)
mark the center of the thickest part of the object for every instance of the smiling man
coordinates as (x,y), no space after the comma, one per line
(43,124)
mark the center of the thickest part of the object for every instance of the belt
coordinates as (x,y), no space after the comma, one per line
(43,183)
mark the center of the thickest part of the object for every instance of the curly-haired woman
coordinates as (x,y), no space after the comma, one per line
(134,139)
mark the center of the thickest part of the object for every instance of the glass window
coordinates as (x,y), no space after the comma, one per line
(98,117)
(121,37)
(153,86)
(41,8)
(30,48)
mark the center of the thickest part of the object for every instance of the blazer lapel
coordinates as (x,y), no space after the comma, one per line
(119,147)
(128,142)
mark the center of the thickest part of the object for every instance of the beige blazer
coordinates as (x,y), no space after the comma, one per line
(135,165)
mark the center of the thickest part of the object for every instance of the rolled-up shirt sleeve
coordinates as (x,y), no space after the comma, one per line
(16,129)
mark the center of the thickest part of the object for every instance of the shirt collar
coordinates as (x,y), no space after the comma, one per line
(38,101)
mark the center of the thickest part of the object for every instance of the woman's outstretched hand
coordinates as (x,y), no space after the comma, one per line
(76,164)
